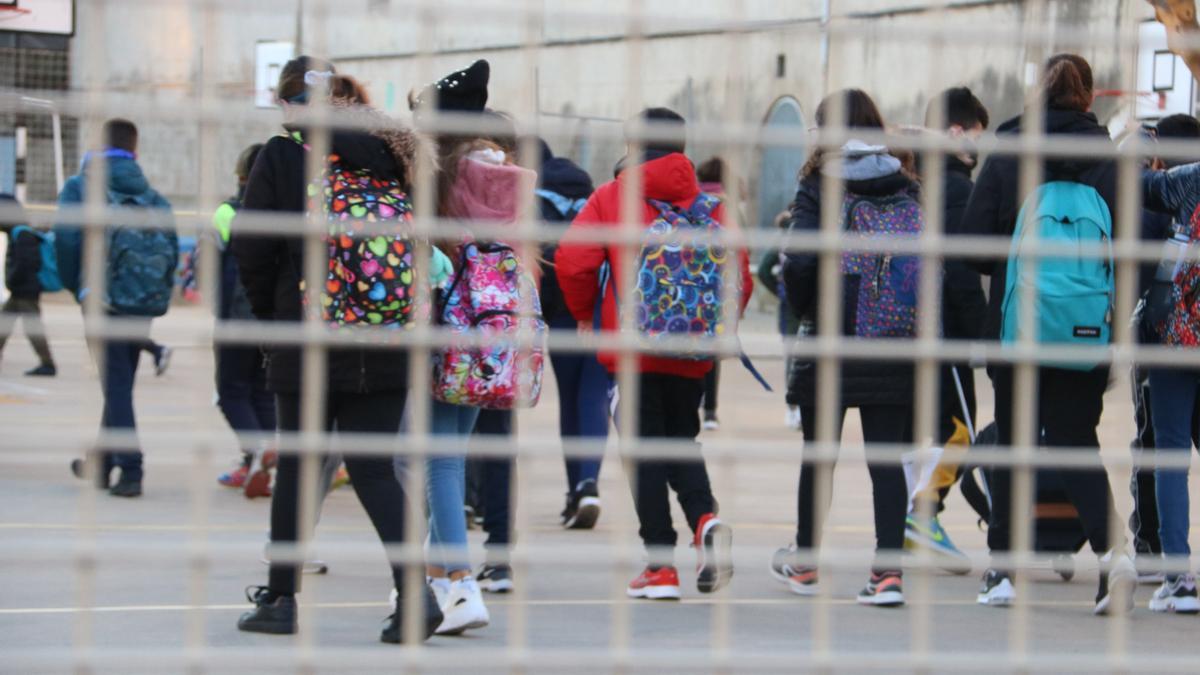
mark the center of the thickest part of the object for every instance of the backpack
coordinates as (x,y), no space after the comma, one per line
(881,288)
(370,275)
(680,288)
(568,208)
(1073,295)
(47,275)
(489,296)
(140,276)
(1177,319)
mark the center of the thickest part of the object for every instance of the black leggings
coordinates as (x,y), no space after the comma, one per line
(1069,404)
(890,424)
(373,476)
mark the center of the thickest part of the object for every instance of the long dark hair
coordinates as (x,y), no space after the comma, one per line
(860,112)
(1067,83)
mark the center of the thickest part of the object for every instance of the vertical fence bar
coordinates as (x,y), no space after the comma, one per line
(926,430)
(1026,433)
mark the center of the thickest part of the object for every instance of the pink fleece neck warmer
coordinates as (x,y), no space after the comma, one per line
(486,191)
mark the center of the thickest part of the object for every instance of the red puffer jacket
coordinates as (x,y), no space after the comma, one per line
(671,178)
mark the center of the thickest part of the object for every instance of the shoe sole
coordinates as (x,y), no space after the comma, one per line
(585,516)
(459,630)
(503,586)
(993,601)
(885,599)
(716,557)
(654,593)
(804,590)
(257,485)
(1172,606)
(269,629)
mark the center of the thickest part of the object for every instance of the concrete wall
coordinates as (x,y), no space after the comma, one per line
(580,69)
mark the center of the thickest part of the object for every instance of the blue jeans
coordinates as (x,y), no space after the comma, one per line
(582,409)
(445,485)
(120,362)
(1172,402)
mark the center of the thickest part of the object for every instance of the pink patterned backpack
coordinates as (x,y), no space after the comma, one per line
(492,297)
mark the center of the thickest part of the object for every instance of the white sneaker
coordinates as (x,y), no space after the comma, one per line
(711,424)
(997,590)
(1177,595)
(793,419)
(463,608)
(441,589)
(1117,585)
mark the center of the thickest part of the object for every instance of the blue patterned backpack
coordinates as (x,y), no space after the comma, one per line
(881,289)
(680,286)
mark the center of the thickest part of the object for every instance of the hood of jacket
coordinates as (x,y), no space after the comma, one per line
(566,178)
(861,162)
(1067,122)
(375,142)
(484,190)
(124,174)
(670,178)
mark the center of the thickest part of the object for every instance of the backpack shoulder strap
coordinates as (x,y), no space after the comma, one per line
(704,205)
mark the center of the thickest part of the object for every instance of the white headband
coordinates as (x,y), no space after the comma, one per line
(314,78)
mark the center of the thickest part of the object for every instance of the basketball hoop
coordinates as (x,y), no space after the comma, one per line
(1149,99)
(8,13)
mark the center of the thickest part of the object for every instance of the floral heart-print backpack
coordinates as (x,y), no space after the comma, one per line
(369,280)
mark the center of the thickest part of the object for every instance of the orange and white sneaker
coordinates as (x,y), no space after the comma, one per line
(714,554)
(785,567)
(883,590)
(655,583)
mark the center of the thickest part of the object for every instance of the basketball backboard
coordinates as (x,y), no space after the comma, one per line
(1162,76)
(52,17)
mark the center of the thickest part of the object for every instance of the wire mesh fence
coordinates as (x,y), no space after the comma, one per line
(193,76)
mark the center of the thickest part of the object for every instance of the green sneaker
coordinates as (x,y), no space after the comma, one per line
(928,533)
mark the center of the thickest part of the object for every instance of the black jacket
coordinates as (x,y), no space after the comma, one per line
(22,263)
(862,382)
(964,310)
(271,266)
(993,207)
(566,179)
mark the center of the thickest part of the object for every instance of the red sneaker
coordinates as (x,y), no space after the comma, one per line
(655,584)
(258,484)
(235,478)
(714,554)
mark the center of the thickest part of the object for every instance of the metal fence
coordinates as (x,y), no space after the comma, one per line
(213,110)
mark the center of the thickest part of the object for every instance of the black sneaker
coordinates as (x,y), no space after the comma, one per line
(126,488)
(583,506)
(79,468)
(273,613)
(393,632)
(1117,584)
(44,370)
(495,578)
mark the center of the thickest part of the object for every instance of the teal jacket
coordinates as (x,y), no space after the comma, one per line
(125,177)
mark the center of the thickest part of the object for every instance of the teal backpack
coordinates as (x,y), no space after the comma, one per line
(1073,295)
(48,273)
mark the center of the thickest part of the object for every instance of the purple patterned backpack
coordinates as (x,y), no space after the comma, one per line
(881,289)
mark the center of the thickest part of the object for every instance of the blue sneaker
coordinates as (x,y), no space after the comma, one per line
(928,533)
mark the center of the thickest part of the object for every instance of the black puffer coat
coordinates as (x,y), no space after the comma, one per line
(862,382)
(270,266)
